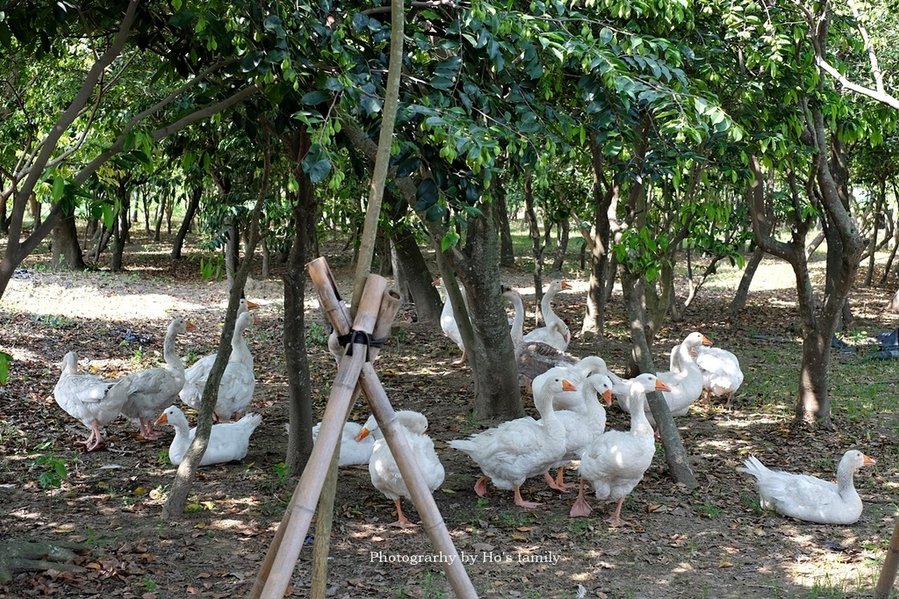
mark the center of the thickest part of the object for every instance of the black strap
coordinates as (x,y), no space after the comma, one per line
(354,337)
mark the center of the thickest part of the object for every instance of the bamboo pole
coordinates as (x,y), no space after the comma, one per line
(279,563)
(421,496)
(890,565)
(390,305)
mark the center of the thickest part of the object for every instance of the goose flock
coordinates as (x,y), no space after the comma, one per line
(148,396)
(570,394)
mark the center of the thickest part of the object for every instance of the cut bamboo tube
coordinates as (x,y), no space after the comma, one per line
(277,571)
(890,565)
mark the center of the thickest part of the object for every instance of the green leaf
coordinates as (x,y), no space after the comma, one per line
(426,195)
(317,170)
(5,359)
(251,61)
(315,97)
(59,187)
(449,240)
(108,215)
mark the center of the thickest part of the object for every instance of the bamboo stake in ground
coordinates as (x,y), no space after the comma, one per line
(421,496)
(390,305)
(277,570)
(890,565)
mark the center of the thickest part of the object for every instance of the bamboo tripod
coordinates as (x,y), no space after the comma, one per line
(374,315)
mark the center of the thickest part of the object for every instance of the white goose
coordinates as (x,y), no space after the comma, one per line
(685,382)
(583,425)
(195,376)
(228,442)
(352,452)
(448,323)
(151,390)
(383,469)
(93,400)
(615,462)
(532,357)
(808,498)
(521,448)
(238,380)
(554,332)
(721,373)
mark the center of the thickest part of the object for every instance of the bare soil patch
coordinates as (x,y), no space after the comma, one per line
(713,542)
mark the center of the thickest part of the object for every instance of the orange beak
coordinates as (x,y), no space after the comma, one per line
(251,305)
(565,284)
(866,461)
(661,386)
(190,326)
(163,419)
(607,397)
(362,434)
(706,340)
(568,386)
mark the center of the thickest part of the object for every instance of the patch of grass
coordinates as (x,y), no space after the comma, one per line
(580,528)
(149,584)
(432,584)
(54,321)
(751,502)
(709,510)
(53,470)
(316,334)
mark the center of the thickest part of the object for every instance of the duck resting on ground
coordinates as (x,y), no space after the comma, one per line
(808,498)
(228,442)
(93,400)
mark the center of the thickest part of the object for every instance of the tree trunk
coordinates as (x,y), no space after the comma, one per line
(67,252)
(739,301)
(814,399)
(497,392)
(118,246)
(562,248)
(232,250)
(4,221)
(878,216)
(414,271)
(499,205)
(597,239)
(35,210)
(192,206)
(305,214)
(675,454)
(537,245)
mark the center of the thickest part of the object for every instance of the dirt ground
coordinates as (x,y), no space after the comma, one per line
(711,542)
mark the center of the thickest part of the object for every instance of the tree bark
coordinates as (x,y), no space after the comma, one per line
(305,214)
(537,245)
(497,392)
(499,205)
(878,215)
(562,247)
(192,206)
(739,301)
(675,454)
(187,470)
(414,271)
(597,239)
(491,356)
(67,252)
